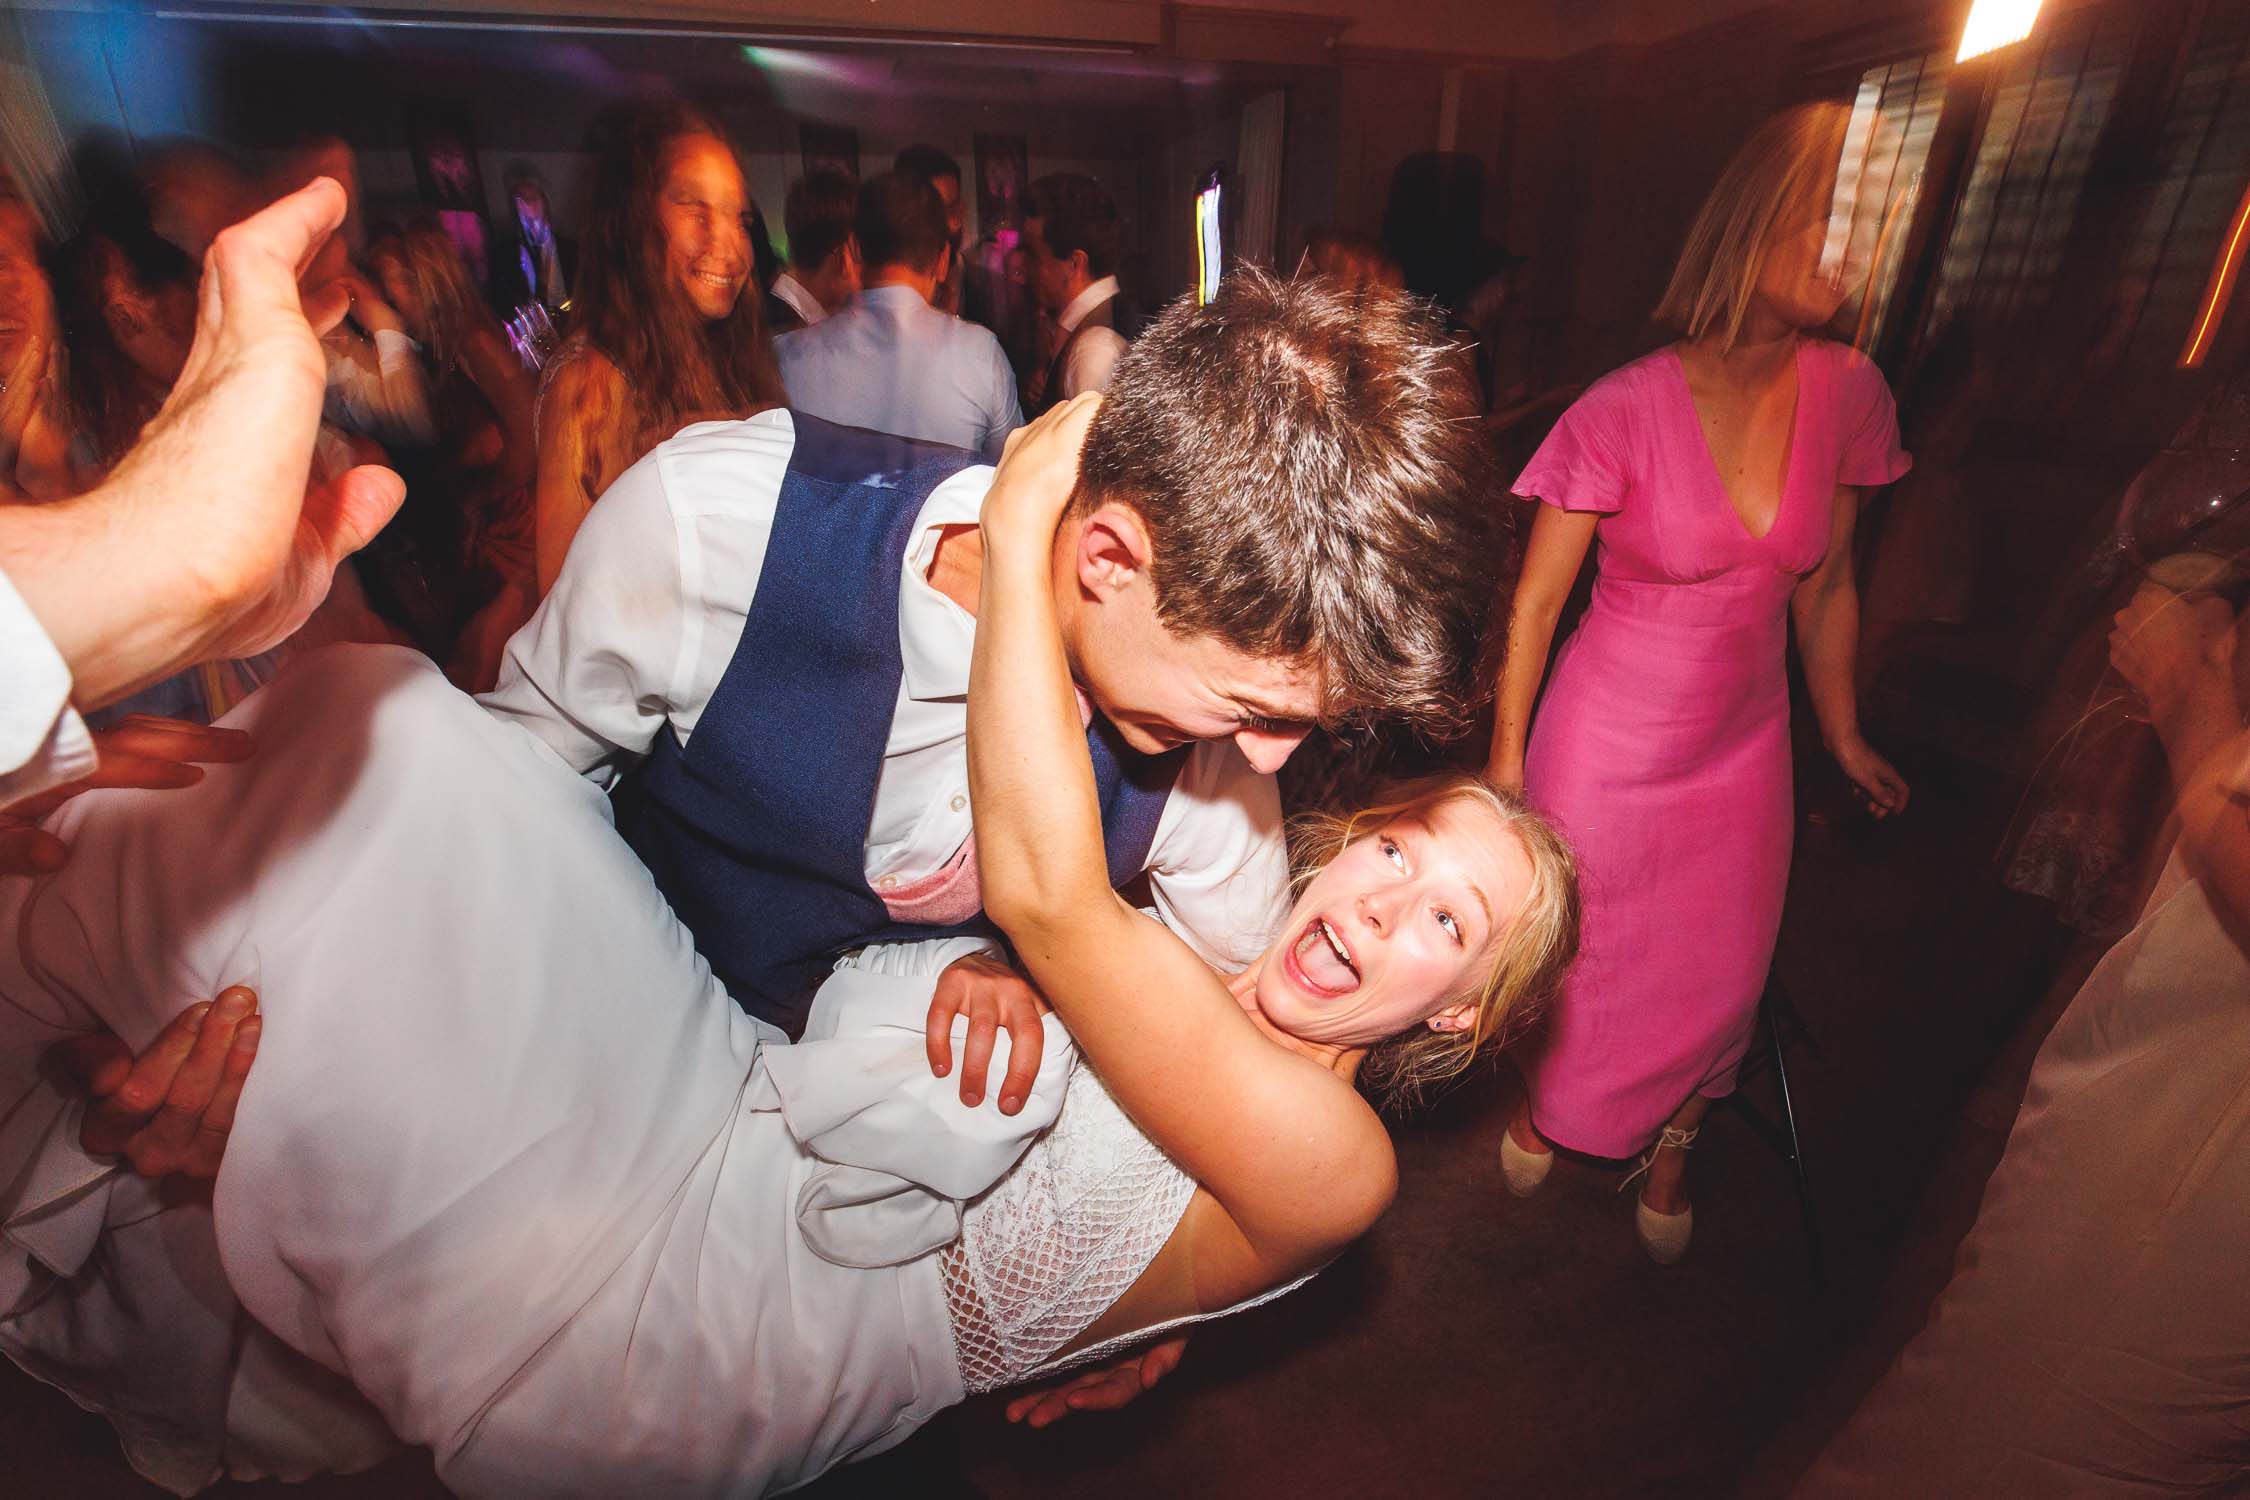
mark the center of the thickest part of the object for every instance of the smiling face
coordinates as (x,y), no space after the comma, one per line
(700,210)
(1398,930)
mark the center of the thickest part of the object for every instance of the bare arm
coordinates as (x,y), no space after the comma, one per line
(1559,540)
(1825,607)
(1291,1156)
(504,382)
(571,412)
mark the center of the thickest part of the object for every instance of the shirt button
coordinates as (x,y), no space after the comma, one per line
(959,801)
(887,883)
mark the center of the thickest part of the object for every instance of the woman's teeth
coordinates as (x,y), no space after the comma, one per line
(1324,959)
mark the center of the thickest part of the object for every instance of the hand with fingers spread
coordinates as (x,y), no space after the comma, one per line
(1105,1389)
(995,998)
(139,751)
(167,1112)
(205,543)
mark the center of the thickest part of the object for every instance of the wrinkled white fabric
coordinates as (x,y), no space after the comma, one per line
(509,1159)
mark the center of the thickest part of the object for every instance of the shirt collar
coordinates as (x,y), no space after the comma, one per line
(894,294)
(792,291)
(936,635)
(1085,302)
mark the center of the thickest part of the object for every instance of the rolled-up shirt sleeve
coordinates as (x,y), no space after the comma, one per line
(43,741)
(592,674)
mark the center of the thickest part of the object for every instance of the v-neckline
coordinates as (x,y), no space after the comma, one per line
(1711,460)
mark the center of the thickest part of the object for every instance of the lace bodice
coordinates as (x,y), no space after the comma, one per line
(1060,1238)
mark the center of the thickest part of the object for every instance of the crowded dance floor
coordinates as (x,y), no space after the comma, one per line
(1120,748)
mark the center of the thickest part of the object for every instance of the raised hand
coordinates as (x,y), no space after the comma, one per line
(204,543)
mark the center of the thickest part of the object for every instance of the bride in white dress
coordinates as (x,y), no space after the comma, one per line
(513,1178)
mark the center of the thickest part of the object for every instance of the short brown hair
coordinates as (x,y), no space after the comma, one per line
(818,215)
(1783,175)
(1075,214)
(1317,487)
(901,222)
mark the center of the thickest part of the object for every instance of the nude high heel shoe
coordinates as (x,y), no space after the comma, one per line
(1663,1236)
(1523,1170)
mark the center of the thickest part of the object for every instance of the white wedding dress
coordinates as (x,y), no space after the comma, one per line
(512,1177)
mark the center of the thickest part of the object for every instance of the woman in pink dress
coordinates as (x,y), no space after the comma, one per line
(1721,476)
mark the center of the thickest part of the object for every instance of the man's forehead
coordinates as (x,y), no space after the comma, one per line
(1272,689)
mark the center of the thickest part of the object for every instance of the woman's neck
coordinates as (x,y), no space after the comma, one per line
(1340,1060)
(1761,350)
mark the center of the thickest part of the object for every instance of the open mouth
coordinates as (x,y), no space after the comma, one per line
(723,280)
(1321,961)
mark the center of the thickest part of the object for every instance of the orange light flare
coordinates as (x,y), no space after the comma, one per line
(1994,24)
(2220,291)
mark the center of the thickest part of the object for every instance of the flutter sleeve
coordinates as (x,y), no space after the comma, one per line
(1871,453)
(1583,463)
(897,1152)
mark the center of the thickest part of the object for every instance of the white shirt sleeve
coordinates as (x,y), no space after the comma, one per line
(593,673)
(1091,360)
(1007,411)
(43,742)
(1219,867)
(390,403)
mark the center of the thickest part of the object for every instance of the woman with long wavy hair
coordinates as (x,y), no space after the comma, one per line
(665,335)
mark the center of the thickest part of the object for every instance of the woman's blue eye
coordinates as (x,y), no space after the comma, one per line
(1452,927)
(1392,853)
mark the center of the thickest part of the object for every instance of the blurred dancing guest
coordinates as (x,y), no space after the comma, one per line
(1722,476)
(893,361)
(539,264)
(35,430)
(2127,1174)
(1070,243)
(472,494)
(938,168)
(665,334)
(824,266)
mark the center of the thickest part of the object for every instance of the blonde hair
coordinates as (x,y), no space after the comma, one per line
(1531,951)
(451,308)
(1783,174)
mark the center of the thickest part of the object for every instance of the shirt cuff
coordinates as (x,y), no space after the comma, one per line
(43,741)
(393,348)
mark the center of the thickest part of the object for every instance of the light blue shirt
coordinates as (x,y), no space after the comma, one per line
(892,362)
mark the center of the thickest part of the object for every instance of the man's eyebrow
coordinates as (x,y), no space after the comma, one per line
(1258,710)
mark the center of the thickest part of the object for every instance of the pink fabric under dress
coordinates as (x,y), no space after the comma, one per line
(1662,744)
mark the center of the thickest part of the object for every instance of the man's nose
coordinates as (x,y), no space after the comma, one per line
(1268,750)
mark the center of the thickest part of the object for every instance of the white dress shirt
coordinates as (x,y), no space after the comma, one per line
(649,608)
(794,292)
(1094,355)
(43,742)
(892,362)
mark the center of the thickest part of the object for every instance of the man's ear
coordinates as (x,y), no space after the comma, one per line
(1080,266)
(1113,549)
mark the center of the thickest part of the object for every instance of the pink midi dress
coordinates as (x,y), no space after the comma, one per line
(1661,746)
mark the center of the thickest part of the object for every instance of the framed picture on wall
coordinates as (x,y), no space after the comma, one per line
(830,147)
(1003,178)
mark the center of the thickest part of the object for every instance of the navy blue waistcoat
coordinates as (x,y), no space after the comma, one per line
(756,831)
